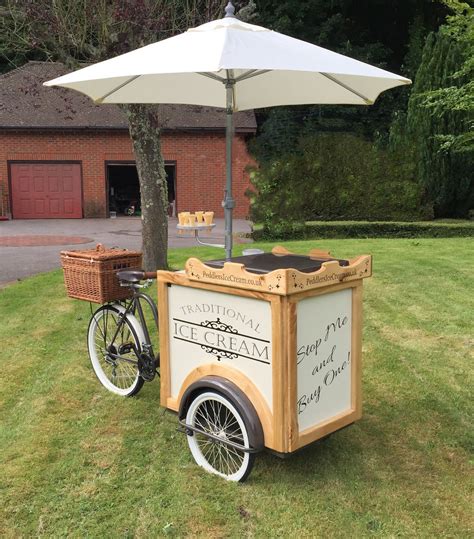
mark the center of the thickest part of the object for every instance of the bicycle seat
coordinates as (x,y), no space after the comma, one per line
(131,276)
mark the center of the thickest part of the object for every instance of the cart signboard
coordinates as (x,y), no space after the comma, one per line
(323,357)
(210,327)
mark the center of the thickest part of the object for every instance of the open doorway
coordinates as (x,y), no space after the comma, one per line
(124,188)
(170,169)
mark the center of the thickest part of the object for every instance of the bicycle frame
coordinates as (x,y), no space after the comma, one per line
(135,307)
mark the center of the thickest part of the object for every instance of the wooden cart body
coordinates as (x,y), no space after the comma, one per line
(290,341)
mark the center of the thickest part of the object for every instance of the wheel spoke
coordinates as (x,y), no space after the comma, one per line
(200,425)
(219,412)
(231,422)
(240,455)
(101,330)
(219,448)
(236,436)
(207,450)
(209,418)
(106,324)
(227,460)
(215,419)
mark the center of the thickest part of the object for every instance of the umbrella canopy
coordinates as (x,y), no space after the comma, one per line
(235,65)
(269,69)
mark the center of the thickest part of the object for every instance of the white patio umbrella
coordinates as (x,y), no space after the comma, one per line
(234,65)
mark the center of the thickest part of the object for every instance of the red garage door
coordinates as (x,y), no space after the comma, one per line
(46,190)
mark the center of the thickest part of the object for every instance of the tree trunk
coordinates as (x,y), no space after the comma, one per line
(145,134)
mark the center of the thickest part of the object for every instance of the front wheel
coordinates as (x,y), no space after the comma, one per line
(213,413)
(114,344)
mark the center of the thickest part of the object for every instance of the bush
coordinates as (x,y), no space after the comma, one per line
(334,177)
(364,229)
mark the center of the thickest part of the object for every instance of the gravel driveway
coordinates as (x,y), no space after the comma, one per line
(32,246)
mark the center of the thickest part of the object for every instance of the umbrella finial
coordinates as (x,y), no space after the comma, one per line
(230,10)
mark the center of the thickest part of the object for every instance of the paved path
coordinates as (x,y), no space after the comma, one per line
(32,246)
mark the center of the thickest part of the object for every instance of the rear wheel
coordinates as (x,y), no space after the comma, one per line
(213,413)
(114,349)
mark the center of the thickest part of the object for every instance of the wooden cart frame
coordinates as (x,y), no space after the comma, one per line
(283,290)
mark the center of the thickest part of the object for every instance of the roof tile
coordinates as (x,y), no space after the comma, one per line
(26,104)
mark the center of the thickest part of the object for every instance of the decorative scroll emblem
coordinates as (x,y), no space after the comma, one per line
(219,353)
(217,324)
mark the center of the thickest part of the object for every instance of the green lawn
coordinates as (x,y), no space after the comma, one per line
(78,461)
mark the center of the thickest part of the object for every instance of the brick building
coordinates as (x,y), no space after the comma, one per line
(62,156)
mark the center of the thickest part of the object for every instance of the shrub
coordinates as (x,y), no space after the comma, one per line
(336,176)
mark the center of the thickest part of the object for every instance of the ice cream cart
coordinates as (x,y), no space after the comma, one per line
(262,351)
(255,353)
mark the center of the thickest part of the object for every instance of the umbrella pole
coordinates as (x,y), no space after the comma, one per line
(228,202)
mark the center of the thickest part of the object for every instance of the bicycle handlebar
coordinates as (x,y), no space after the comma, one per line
(149,274)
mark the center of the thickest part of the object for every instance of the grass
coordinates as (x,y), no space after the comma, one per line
(77,461)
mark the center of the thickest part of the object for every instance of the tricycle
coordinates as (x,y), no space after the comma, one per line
(259,352)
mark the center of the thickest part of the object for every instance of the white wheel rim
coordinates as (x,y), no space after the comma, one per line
(213,413)
(123,378)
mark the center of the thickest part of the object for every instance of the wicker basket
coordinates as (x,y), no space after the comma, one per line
(91,274)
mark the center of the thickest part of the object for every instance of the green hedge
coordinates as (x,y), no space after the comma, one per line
(363,229)
(337,176)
